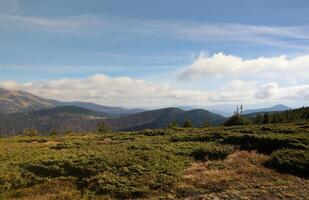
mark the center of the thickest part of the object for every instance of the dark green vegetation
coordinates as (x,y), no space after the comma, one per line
(236,120)
(291,161)
(295,115)
(235,162)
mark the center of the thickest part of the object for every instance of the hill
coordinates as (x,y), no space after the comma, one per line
(72,118)
(61,119)
(114,111)
(294,115)
(276,108)
(19,101)
(162,118)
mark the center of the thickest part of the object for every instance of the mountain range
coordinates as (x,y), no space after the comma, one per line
(163,117)
(20,110)
(275,108)
(76,119)
(19,101)
(16,101)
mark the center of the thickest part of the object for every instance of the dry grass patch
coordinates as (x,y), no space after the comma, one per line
(49,190)
(240,176)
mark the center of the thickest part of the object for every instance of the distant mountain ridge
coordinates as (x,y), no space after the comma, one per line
(276,108)
(16,101)
(104,109)
(61,118)
(19,101)
(20,110)
(76,119)
(162,118)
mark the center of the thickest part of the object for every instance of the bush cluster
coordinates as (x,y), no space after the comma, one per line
(212,151)
(263,143)
(290,161)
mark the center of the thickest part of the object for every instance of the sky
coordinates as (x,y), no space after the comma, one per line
(157,53)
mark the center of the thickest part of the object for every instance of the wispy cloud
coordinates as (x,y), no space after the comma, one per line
(295,37)
(77,25)
(289,37)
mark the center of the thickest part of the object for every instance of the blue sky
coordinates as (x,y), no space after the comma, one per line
(174,44)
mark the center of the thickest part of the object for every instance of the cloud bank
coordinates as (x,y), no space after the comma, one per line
(129,92)
(121,91)
(221,64)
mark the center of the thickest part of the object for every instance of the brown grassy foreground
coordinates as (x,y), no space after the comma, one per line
(240,176)
(245,162)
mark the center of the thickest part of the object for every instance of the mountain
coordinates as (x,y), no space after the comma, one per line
(76,119)
(162,118)
(186,108)
(116,111)
(276,108)
(222,109)
(222,112)
(16,101)
(61,118)
(68,111)
(19,101)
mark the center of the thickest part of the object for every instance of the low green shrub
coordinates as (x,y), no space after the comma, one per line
(156,132)
(83,167)
(214,136)
(290,161)
(60,146)
(263,143)
(212,151)
(121,187)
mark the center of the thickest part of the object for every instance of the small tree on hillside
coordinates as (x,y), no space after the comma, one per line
(187,124)
(258,119)
(173,124)
(236,120)
(206,124)
(53,132)
(102,128)
(266,118)
(31,132)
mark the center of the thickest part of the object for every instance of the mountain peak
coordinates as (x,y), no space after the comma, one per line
(278,107)
(16,101)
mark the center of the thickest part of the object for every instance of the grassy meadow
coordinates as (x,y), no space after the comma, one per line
(237,162)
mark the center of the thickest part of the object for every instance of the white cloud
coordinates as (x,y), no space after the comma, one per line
(10,85)
(220,64)
(239,91)
(129,92)
(121,91)
(266,91)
